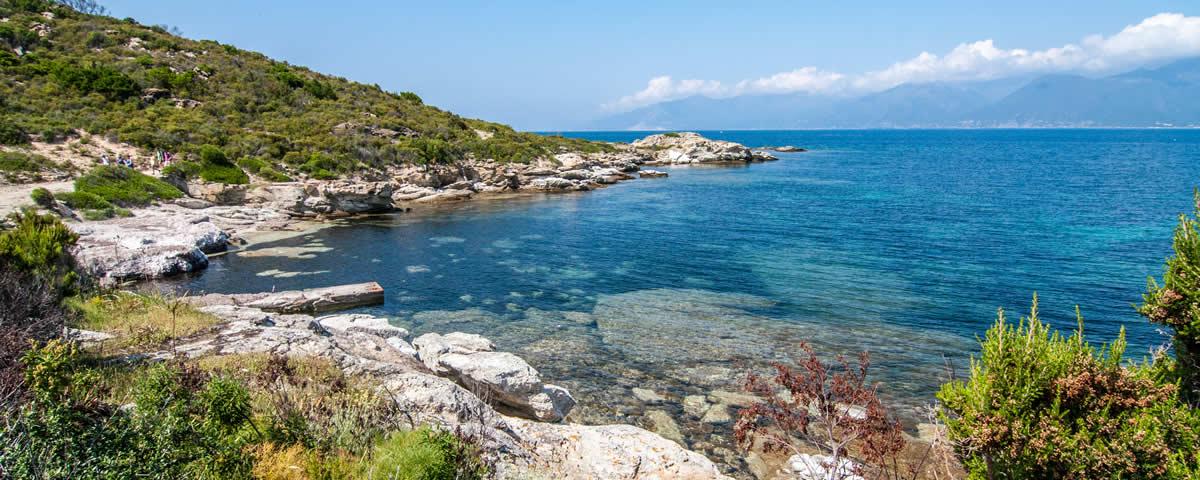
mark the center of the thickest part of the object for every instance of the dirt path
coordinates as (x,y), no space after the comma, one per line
(12,197)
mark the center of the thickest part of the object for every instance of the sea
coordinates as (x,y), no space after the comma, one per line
(900,243)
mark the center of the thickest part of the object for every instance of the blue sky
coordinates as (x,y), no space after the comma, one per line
(554,65)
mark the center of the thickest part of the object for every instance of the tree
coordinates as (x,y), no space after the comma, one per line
(1176,304)
(90,7)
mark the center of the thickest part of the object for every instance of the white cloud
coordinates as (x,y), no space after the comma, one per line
(664,88)
(1163,36)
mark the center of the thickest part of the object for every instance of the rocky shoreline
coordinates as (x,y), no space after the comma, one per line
(177,238)
(456,381)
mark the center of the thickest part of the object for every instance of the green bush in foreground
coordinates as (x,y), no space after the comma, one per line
(185,424)
(124,186)
(40,244)
(1038,405)
(190,422)
(1176,304)
(423,454)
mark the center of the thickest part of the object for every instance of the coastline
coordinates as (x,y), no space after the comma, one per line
(173,238)
(179,237)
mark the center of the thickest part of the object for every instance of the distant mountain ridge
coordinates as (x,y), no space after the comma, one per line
(1166,96)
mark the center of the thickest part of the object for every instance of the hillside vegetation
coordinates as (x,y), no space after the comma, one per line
(63,71)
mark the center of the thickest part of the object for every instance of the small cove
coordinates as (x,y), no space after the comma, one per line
(902,243)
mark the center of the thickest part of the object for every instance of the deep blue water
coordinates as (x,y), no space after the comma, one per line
(900,242)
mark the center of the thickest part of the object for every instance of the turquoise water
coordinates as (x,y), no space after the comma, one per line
(903,243)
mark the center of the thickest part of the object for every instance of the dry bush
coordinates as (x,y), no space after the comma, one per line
(832,407)
(31,313)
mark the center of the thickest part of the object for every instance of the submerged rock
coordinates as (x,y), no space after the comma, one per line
(666,426)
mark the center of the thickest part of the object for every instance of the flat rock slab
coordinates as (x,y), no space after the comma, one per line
(323,299)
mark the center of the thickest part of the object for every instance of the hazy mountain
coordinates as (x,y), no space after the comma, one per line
(1167,95)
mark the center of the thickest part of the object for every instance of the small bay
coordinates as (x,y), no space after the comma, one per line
(903,243)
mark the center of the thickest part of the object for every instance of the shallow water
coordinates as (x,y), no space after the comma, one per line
(903,243)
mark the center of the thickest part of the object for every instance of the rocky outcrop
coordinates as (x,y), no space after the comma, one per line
(521,448)
(472,361)
(323,197)
(146,246)
(691,148)
(786,149)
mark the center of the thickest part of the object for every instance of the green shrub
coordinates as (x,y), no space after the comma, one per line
(12,134)
(1038,405)
(263,169)
(320,90)
(411,97)
(40,244)
(224,174)
(163,77)
(84,201)
(106,213)
(184,424)
(1176,304)
(104,80)
(320,166)
(98,40)
(213,166)
(42,197)
(21,162)
(125,186)
(423,454)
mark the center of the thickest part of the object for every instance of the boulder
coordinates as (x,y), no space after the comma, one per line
(343,196)
(504,378)
(652,174)
(151,245)
(612,451)
(361,323)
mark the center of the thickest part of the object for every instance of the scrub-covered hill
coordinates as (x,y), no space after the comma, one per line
(63,72)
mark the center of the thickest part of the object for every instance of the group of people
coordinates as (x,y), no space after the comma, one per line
(162,158)
(121,160)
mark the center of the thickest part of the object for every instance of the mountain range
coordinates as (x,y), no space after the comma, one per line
(1164,96)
